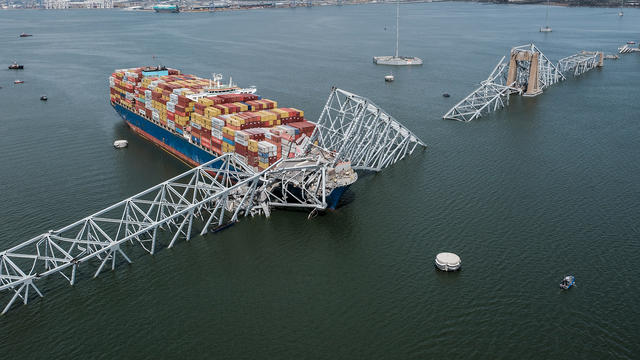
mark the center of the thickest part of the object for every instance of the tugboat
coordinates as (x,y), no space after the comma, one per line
(25,35)
(16,66)
(568,282)
(18,82)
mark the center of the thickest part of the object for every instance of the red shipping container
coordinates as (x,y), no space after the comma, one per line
(206,142)
(241,149)
(171,116)
(216,100)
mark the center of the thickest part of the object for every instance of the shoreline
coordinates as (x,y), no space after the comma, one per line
(201,9)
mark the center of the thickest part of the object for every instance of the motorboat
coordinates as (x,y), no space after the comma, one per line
(120,144)
(568,282)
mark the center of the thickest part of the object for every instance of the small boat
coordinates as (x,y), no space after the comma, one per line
(120,144)
(18,82)
(545,29)
(445,95)
(389,78)
(16,66)
(631,42)
(25,35)
(568,282)
(44,98)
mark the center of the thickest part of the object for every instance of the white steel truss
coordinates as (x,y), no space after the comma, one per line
(361,132)
(547,72)
(580,63)
(527,72)
(207,193)
(210,197)
(493,94)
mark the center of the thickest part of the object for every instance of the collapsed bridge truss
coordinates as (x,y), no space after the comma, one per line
(527,72)
(210,197)
(363,133)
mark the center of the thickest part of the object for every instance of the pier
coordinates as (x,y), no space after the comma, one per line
(527,72)
(352,134)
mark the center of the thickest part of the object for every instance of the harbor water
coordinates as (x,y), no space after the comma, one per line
(542,189)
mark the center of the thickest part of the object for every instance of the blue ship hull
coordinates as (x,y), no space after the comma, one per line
(181,148)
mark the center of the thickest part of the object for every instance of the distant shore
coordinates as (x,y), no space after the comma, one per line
(247,5)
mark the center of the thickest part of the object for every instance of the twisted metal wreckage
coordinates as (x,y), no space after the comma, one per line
(352,134)
(527,72)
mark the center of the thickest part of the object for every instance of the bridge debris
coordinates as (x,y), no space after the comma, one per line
(527,72)
(352,134)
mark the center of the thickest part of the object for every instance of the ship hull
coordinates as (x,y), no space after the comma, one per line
(182,149)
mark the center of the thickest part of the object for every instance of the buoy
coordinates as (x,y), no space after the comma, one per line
(447,261)
(446,95)
(119,144)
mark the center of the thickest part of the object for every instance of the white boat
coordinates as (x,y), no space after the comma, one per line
(120,144)
(397,60)
(621,13)
(389,78)
(546,28)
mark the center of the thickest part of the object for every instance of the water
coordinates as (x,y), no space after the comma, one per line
(545,188)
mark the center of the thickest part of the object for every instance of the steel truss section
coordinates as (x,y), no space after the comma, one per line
(527,72)
(208,192)
(493,94)
(547,72)
(361,132)
(580,63)
(212,196)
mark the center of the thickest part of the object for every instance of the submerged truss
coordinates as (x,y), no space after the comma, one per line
(527,72)
(581,63)
(361,132)
(493,94)
(210,197)
(207,192)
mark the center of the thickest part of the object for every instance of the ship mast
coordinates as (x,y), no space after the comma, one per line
(397,24)
(546,17)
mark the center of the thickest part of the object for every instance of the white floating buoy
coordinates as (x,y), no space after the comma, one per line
(119,144)
(447,261)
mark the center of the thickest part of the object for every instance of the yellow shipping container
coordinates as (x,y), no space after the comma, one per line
(300,111)
(253,145)
(243,107)
(281,113)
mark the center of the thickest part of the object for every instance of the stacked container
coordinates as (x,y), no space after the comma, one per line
(254,128)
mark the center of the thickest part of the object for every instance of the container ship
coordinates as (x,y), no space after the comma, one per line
(197,119)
